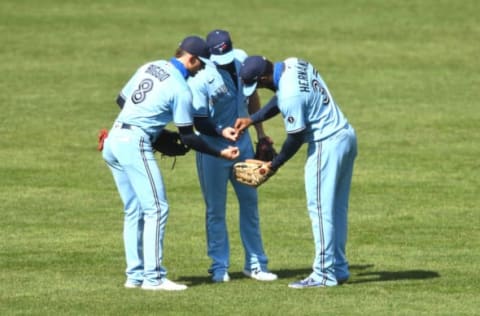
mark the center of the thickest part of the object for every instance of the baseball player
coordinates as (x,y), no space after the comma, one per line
(311,116)
(218,101)
(156,95)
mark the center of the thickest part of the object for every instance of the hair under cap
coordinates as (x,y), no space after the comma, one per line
(195,45)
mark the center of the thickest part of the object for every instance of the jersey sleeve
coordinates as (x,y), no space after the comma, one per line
(293,113)
(199,95)
(182,108)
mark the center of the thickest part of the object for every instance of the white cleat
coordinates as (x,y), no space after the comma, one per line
(221,278)
(130,285)
(166,285)
(260,275)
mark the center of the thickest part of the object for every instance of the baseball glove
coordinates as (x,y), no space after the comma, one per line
(264,149)
(252,172)
(169,143)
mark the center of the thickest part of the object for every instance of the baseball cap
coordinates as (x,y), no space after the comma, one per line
(252,68)
(195,45)
(221,48)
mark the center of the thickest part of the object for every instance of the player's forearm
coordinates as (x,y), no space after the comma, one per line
(196,142)
(205,126)
(268,111)
(259,130)
(290,147)
(253,103)
(253,107)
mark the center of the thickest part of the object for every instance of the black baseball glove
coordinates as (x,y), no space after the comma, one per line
(264,149)
(170,144)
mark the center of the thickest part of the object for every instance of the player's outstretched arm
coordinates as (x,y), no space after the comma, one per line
(253,107)
(194,141)
(205,126)
(290,146)
(268,111)
(242,123)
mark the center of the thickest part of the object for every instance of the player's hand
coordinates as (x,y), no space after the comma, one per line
(230,133)
(242,123)
(230,153)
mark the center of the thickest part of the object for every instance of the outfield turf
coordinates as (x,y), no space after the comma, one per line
(406,74)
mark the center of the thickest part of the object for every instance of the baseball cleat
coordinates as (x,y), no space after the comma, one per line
(165,285)
(219,277)
(306,283)
(131,285)
(260,275)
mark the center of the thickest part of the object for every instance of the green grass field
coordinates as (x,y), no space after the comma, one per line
(407,75)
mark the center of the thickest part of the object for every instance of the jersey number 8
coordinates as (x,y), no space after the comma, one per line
(139,95)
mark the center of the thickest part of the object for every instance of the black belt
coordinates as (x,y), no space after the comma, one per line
(126,126)
(123,125)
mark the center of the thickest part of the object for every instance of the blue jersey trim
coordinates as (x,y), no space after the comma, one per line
(277,73)
(180,67)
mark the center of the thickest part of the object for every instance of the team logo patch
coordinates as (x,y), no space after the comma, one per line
(222,47)
(290,119)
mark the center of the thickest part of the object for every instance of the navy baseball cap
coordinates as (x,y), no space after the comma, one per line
(252,68)
(195,45)
(221,48)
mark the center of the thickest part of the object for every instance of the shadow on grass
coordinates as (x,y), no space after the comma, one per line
(381,276)
(358,275)
(234,275)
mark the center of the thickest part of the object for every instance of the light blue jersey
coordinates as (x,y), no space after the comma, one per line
(218,95)
(307,105)
(311,116)
(156,95)
(306,102)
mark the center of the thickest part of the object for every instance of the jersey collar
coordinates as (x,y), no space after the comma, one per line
(278,68)
(175,62)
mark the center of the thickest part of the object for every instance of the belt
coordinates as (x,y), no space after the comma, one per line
(123,125)
(120,125)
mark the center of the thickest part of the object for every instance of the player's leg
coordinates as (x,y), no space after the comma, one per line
(132,228)
(213,175)
(249,223)
(133,221)
(320,176)
(146,179)
(256,261)
(348,146)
